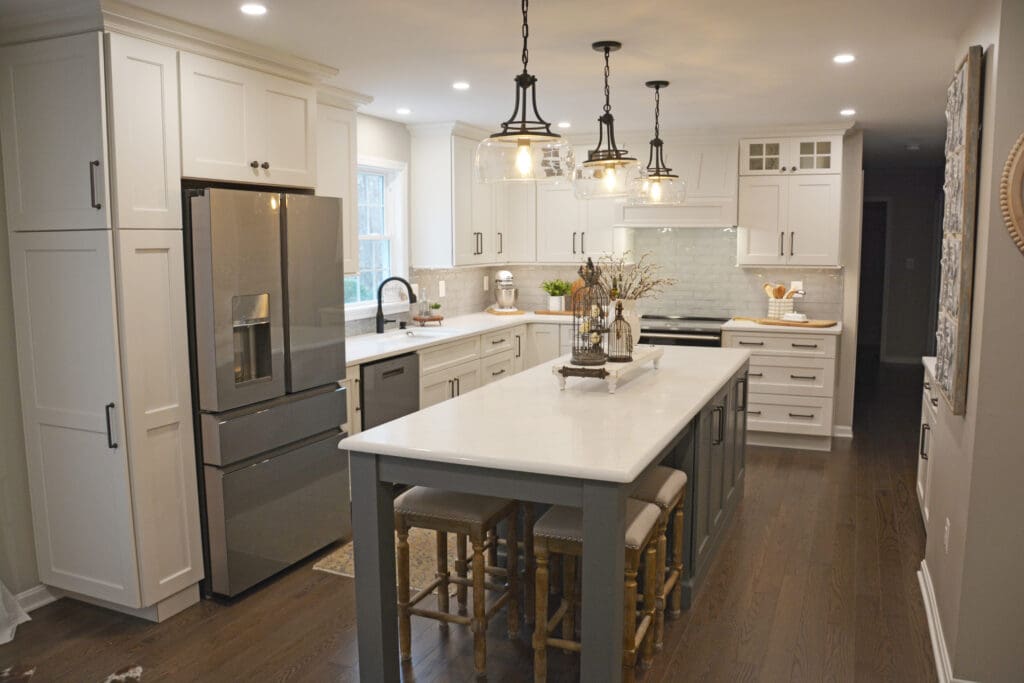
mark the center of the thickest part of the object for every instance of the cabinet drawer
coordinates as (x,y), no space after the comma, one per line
(770,343)
(497,342)
(493,368)
(789,414)
(797,376)
(449,355)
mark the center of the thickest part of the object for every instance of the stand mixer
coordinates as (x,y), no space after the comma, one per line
(505,292)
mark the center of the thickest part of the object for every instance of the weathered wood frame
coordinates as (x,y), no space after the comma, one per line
(1011,193)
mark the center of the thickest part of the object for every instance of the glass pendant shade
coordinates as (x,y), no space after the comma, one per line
(657,184)
(525,149)
(608,170)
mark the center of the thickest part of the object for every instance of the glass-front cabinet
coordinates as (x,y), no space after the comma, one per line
(795,155)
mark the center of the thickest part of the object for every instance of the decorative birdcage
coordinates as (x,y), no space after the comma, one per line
(590,318)
(620,338)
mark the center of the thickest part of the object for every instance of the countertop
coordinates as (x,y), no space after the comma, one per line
(524,423)
(369,347)
(748,326)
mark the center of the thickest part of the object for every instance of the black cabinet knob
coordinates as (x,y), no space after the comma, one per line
(265,165)
(254,164)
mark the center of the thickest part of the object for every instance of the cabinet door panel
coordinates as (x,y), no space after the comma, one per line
(602,215)
(435,387)
(702,491)
(336,174)
(810,156)
(519,349)
(762,220)
(219,119)
(146,163)
(54,133)
(467,378)
(158,415)
(560,220)
(814,204)
(515,222)
(288,138)
(541,343)
(763,156)
(470,225)
(69,367)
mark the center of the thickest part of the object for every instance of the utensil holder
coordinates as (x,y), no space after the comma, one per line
(777,308)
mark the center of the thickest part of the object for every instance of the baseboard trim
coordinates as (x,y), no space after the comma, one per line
(37,597)
(842,432)
(931,608)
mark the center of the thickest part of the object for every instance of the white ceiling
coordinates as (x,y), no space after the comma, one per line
(731,63)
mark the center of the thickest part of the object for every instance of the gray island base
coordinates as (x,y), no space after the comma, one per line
(523,438)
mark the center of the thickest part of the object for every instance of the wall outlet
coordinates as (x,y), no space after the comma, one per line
(945,537)
(796,285)
(487,283)
(440,289)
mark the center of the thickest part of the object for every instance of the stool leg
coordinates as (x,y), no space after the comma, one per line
(492,552)
(659,617)
(677,561)
(629,621)
(529,564)
(479,607)
(461,570)
(443,604)
(404,621)
(540,626)
(651,572)
(569,596)
(512,566)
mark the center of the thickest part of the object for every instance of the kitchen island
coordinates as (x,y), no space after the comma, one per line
(523,438)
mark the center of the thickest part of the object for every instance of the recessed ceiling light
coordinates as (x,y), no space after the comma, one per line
(403,111)
(847,112)
(253,9)
(564,124)
(843,58)
(460,85)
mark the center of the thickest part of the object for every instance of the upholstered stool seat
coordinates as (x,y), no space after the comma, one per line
(666,488)
(467,516)
(560,530)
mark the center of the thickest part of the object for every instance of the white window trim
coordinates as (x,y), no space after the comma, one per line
(397,197)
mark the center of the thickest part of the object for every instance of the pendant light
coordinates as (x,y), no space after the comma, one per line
(608,170)
(657,185)
(525,149)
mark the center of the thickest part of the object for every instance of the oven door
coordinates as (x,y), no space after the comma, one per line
(679,338)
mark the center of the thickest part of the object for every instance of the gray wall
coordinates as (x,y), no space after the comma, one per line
(913,198)
(17,552)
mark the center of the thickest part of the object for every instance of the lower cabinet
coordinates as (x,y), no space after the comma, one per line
(498,366)
(442,385)
(542,343)
(519,348)
(929,420)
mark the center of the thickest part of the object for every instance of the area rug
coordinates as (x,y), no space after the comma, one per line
(422,559)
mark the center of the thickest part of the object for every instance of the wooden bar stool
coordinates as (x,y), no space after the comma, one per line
(666,488)
(560,530)
(469,516)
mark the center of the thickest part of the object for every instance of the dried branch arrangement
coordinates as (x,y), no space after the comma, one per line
(625,280)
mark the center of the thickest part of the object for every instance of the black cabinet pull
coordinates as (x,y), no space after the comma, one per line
(110,437)
(811,377)
(741,394)
(501,243)
(458,387)
(451,388)
(254,164)
(745,343)
(583,248)
(265,165)
(499,372)
(802,415)
(498,341)
(792,240)
(803,346)
(574,243)
(782,248)
(719,412)
(519,346)
(755,374)
(480,236)
(921,450)
(93,166)
(753,412)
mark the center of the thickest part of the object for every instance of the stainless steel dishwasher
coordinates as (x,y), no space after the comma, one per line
(390,389)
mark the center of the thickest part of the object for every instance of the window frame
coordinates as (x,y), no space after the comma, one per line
(396,221)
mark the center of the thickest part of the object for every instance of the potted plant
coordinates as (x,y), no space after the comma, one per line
(556,290)
(628,281)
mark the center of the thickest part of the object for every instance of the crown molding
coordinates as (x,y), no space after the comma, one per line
(74,16)
(340,97)
(448,127)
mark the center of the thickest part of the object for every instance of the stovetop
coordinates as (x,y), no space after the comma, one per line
(681,323)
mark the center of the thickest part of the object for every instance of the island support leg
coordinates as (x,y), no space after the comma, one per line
(603,566)
(374,539)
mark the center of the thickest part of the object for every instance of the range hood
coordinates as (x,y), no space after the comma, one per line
(710,212)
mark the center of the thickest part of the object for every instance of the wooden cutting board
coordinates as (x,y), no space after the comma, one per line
(553,312)
(494,311)
(790,323)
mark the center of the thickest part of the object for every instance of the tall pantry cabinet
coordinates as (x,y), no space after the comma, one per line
(89,134)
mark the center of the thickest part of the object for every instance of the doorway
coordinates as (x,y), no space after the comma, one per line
(870,313)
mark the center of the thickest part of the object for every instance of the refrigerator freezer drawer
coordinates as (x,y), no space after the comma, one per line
(267,516)
(242,433)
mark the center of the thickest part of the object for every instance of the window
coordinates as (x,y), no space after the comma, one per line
(380,195)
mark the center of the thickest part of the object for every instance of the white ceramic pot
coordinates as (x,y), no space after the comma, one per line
(630,315)
(556,303)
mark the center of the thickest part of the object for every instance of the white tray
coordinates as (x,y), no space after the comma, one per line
(612,373)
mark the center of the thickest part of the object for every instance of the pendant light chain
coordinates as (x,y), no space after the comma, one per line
(607,73)
(526,34)
(657,112)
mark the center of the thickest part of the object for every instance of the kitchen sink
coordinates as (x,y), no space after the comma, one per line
(421,333)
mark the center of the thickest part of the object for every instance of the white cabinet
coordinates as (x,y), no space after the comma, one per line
(472,208)
(928,444)
(245,126)
(353,399)
(142,86)
(542,343)
(519,348)
(54,132)
(515,222)
(498,366)
(806,155)
(560,220)
(790,220)
(336,174)
(442,385)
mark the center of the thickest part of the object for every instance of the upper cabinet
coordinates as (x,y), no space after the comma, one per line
(336,173)
(571,229)
(515,222)
(241,125)
(142,90)
(54,132)
(796,155)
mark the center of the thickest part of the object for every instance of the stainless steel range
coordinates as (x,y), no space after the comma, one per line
(681,330)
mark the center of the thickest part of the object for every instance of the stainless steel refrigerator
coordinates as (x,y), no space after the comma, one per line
(268,348)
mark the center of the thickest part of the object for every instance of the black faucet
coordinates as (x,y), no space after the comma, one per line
(380,308)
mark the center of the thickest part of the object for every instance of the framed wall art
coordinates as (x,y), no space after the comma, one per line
(953,333)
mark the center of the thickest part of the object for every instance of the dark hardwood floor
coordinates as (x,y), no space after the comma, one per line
(815,581)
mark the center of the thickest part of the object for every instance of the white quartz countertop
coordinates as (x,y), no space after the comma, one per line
(748,326)
(524,423)
(364,348)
